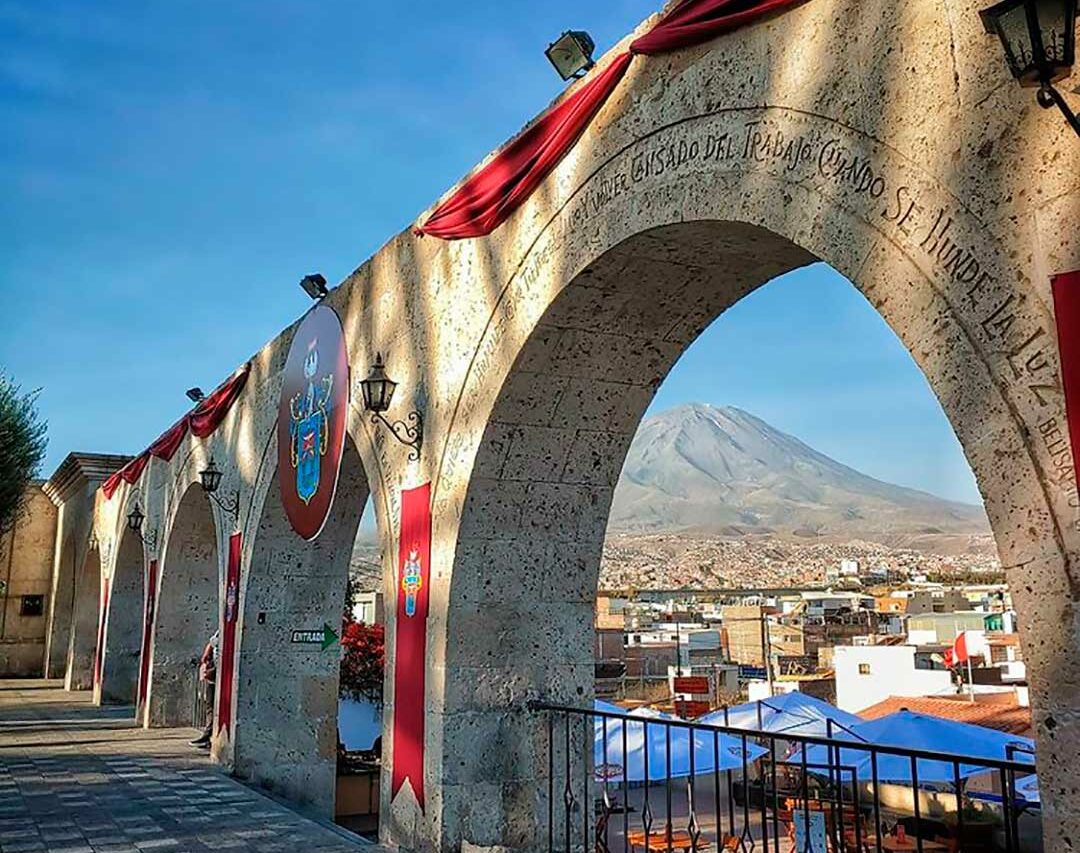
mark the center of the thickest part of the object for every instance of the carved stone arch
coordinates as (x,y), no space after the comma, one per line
(85,621)
(598,307)
(123,632)
(287,692)
(186,608)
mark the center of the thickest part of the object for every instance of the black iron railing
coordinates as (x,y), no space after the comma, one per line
(776,795)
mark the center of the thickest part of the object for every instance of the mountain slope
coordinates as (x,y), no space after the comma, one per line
(721,470)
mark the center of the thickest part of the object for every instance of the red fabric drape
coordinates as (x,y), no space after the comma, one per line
(488,196)
(410,648)
(1066,288)
(202,421)
(227,663)
(169,441)
(128,474)
(209,414)
(492,193)
(695,22)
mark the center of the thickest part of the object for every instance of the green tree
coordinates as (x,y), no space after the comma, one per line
(22,448)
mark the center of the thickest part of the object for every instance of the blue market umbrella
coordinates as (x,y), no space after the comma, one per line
(707,747)
(909,730)
(793,713)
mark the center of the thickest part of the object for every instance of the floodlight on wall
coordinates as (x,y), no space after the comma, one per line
(135,521)
(210,479)
(378,390)
(195,394)
(571,54)
(314,285)
(1039,39)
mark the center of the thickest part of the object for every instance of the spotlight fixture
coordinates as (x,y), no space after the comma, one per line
(135,521)
(314,285)
(195,394)
(571,53)
(210,478)
(378,389)
(1039,39)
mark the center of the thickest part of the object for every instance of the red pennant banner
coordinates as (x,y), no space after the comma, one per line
(486,198)
(410,648)
(228,634)
(148,630)
(100,650)
(202,421)
(1066,288)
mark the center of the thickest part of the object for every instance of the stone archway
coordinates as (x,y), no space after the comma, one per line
(124,624)
(61,604)
(535,510)
(186,610)
(287,692)
(86,613)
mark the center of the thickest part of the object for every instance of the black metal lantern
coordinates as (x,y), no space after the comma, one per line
(571,53)
(1039,39)
(378,390)
(210,478)
(135,519)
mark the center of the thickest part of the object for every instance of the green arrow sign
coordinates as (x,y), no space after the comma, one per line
(324,637)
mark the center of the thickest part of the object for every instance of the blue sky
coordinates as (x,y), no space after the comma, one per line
(168,171)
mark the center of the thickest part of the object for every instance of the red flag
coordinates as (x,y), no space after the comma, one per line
(1066,288)
(228,634)
(410,663)
(100,650)
(959,653)
(148,628)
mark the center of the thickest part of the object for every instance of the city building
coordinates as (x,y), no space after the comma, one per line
(866,675)
(26,563)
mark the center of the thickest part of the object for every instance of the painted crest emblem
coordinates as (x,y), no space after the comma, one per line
(411,582)
(230,603)
(309,424)
(312,411)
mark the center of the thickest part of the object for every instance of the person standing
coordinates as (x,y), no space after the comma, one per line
(207,684)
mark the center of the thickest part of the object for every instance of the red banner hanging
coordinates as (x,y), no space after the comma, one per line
(695,22)
(493,192)
(100,650)
(486,198)
(410,648)
(148,630)
(202,421)
(1066,288)
(228,634)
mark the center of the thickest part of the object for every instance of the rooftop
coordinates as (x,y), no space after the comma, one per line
(1005,717)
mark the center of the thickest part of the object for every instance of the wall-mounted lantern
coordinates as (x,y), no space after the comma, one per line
(210,478)
(1039,39)
(378,390)
(135,521)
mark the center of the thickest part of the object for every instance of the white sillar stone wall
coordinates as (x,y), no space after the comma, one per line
(882,137)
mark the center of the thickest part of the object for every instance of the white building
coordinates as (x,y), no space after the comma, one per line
(865,675)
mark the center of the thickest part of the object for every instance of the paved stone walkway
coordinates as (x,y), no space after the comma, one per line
(79,779)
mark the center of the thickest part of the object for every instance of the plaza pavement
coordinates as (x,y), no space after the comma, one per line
(75,778)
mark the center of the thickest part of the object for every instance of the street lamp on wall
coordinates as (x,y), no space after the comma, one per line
(135,521)
(1039,39)
(210,479)
(378,390)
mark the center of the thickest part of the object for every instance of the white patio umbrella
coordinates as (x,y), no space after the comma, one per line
(653,751)
(795,713)
(909,730)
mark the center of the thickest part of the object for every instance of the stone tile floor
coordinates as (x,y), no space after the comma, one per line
(75,778)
